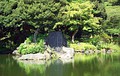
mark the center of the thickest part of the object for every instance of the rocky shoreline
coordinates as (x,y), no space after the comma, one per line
(90,52)
(66,53)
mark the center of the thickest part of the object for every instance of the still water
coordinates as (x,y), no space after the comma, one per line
(97,66)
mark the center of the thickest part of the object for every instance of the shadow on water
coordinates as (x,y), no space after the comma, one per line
(103,65)
(5,51)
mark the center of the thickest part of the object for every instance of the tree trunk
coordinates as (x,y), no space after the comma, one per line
(73,35)
(119,39)
(35,35)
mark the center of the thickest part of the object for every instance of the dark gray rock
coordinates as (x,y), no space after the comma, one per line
(56,40)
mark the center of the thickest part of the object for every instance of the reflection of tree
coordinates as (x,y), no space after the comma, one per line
(86,68)
(109,66)
(58,68)
(33,69)
(9,67)
(55,69)
(113,69)
(49,68)
(103,65)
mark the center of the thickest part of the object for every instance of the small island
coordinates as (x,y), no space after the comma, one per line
(54,46)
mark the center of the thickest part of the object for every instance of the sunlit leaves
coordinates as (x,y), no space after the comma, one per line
(79,14)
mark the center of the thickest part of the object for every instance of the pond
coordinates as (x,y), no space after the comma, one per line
(105,65)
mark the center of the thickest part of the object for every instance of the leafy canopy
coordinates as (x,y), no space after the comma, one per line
(76,15)
(38,13)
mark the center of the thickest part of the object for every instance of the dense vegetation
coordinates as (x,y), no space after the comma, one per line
(96,23)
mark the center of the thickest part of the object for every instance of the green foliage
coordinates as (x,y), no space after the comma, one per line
(24,16)
(112,24)
(82,46)
(114,47)
(113,2)
(97,39)
(78,57)
(94,40)
(108,4)
(29,47)
(82,15)
(111,46)
(78,14)
(38,13)
(105,37)
(112,11)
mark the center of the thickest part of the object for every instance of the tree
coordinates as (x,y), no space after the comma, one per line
(78,16)
(27,15)
(40,14)
(112,24)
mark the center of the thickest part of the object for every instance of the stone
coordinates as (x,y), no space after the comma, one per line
(87,52)
(66,56)
(103,51)
(68,50)
(97,51)
(37,56)
(15,52)
(47,55)
(109,51)
(56,40)
(68,53)
(91,51)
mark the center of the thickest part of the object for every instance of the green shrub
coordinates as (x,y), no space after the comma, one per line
(108,4)
(95,40)
(112,46)
(83,46)
(29,47)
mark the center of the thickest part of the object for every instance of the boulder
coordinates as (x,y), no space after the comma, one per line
(37,56)
(68,53)
(15,52)
(47,55)
(56,40)
(68,50)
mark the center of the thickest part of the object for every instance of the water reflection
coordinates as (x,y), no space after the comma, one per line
(99,66)
(33,69)
(59,68)
(104,65)
(9,67)
(43,68)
